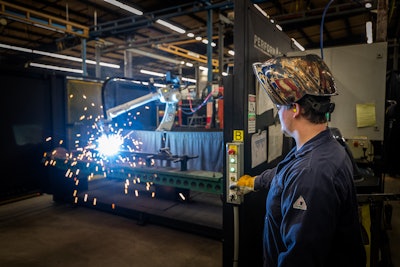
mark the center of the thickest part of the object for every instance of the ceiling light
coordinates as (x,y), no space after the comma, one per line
(193,54)
(153,73)
(188,80)
(16,48)
(51,67)
(278,27)
(368,29)
(298,45)
(190,34)
(171,26)
(3,22)
(59,56)
(262,11)
(205,41)
(368,5)
(104,64)
(161,84)
(125,7)
(231,52)
(48,54)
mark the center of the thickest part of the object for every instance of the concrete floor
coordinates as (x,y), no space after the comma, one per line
(40,232)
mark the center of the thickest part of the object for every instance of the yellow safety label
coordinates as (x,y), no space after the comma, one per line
(238,135)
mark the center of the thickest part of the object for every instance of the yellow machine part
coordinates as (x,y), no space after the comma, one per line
(366,224)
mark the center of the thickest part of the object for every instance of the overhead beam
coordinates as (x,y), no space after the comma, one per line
(185,53)
(148,42)
(133,23)
(316,14)
(152,55)
(42,20)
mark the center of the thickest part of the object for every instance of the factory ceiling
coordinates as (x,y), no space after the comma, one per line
(31,28)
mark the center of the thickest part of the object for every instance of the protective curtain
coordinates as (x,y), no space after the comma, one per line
(208,146)
(147,141)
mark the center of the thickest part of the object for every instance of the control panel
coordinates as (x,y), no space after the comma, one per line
(234,170)
(361,148)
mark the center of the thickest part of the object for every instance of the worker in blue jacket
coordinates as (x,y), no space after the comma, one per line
(311,214)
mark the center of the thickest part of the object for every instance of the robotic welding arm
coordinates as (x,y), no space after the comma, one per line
(123,108)
(169,95)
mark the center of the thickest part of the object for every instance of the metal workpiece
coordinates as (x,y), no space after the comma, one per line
(195,180)
(164,155)
(201,181)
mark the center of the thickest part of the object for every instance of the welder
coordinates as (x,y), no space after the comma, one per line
(311,214)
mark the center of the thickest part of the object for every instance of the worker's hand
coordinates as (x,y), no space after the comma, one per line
(245,183)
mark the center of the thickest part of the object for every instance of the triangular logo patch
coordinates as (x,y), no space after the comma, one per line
(300,204)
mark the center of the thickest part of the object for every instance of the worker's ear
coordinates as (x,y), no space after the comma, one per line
(295,109)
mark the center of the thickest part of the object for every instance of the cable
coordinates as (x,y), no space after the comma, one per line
(198,107)
(321,34)
(235,236)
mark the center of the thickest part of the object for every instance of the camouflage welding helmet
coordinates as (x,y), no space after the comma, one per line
(287,79)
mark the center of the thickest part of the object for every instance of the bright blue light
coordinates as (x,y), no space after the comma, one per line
(109,145)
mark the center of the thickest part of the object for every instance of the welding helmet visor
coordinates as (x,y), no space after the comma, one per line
(287,79)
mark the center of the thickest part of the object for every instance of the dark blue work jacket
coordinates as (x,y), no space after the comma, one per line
(311,208)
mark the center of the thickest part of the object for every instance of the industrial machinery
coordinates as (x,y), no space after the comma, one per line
(152,174)
(169,95)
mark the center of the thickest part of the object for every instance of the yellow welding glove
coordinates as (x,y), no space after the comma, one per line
(246,181)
